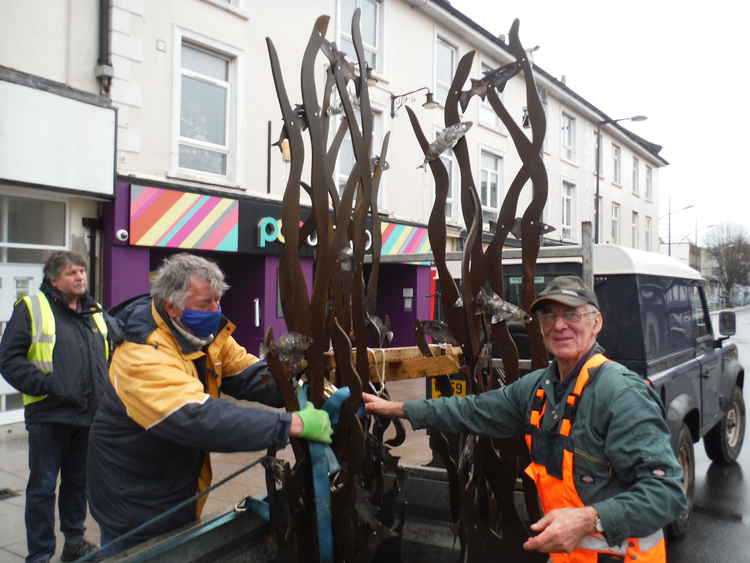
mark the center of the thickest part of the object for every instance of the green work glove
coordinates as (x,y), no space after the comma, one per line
(316,424)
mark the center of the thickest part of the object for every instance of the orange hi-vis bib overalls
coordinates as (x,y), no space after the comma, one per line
(555,482)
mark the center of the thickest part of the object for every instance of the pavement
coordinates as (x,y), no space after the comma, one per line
(14,474)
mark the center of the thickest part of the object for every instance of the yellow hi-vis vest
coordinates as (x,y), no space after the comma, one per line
(43,336)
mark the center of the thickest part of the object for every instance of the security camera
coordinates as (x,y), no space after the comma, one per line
(122,235)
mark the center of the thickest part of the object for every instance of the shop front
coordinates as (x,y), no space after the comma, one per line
(147,223)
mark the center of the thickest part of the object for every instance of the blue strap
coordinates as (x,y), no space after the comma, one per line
(324,463)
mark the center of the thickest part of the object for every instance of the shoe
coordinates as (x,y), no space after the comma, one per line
(74,551)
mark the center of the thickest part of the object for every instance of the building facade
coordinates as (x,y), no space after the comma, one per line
(192,100)
(57,148)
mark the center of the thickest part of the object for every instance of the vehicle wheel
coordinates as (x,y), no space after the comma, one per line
(686,457)
(724,441)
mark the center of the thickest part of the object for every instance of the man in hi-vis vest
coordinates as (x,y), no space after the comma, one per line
(55,350)
(607,477)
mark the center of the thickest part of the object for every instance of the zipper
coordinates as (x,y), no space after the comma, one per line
(590,457)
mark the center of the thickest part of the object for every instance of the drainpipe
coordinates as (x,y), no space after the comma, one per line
(104,71)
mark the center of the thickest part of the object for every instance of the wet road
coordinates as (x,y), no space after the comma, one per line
(720,527)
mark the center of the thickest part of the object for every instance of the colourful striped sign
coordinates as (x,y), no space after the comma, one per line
(404,239)
(175,219)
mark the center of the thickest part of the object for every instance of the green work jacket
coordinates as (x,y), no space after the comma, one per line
(624,464)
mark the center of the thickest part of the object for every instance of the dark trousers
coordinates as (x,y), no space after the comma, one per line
(53,449)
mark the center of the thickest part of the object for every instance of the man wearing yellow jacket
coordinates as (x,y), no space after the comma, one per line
(162,414)
(54,350)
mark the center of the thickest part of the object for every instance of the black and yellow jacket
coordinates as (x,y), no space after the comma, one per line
(162,415)
(79,365)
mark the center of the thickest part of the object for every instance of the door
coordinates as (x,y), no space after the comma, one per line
(709,358)
(16,280)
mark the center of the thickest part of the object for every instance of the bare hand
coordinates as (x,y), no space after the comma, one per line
(561,530)
(379,406)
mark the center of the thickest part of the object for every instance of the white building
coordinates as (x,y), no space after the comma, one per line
(196,108)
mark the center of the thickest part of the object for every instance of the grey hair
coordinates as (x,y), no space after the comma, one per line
(57,262)
(174,278)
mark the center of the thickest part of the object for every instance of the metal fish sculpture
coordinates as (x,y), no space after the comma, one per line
(382,328)
(445,139)
(438,331)
(290,348)
(496,78)
(375,160)
(499,310)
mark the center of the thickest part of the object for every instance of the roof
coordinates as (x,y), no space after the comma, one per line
(652,148)
(610,259)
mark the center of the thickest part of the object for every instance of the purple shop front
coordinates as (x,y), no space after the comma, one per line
(146,224)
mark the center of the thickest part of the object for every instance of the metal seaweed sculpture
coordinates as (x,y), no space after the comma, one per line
(341,305)
(482,472)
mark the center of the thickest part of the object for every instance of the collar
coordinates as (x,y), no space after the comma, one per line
(86,304)
(596,348)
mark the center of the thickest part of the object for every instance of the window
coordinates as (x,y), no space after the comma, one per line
(545,106)
(30,229)
(616,164)
(346,161)
(370,23)
(487,116)
(205,110)
(649,183)
(647,233)
(634,229)
(568,206)
(445,66)
(615,223)
(454,177)
(636,180)
(491,176)
(568,139)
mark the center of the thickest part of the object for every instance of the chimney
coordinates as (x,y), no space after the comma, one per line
(501,37)
(563,79)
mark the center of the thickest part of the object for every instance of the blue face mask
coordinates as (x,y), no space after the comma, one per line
(201,323)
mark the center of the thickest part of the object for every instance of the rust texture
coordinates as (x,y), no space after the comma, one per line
(339,313)
(482,471)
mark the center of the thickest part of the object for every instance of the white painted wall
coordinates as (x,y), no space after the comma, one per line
(145,45)
(55,39)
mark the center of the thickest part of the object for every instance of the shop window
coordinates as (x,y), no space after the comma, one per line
(31,228)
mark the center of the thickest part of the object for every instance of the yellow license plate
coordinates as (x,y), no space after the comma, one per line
(458,386)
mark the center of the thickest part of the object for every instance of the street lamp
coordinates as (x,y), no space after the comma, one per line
(599,126)
(397,102)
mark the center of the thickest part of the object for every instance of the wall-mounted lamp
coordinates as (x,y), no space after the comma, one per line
(397,102)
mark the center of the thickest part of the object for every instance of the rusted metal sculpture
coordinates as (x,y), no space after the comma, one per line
(340,308)
(482,472)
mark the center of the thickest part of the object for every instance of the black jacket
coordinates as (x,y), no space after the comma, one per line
(79,365)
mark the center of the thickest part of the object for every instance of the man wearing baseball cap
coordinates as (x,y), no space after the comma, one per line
(607,477)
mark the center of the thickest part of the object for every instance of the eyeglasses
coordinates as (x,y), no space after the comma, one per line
(569,317)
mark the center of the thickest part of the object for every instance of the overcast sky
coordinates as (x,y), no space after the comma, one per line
(682,64)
